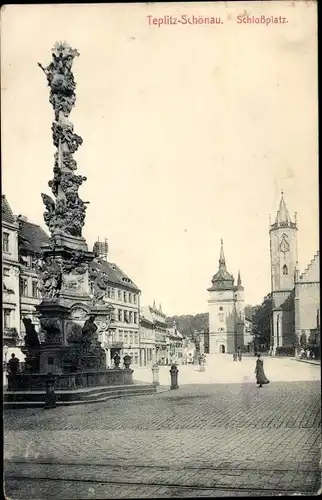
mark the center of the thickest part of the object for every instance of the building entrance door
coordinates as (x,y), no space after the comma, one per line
(222,349)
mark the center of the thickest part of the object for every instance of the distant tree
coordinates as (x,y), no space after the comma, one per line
(262,323)
(250,311)
(187,324)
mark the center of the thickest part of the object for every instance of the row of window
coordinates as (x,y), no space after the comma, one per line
(121,295)
(126,337)
(24,289)
(125,316)
(147,334)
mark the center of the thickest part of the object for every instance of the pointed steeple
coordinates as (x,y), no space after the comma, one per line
(239,278)
(222,280)
(283,215)
(222,261)
(154,306)
(239,283)
(160,308)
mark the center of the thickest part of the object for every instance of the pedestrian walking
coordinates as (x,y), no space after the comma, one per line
(259,371)
(239,355)
(13,369)
(235,356)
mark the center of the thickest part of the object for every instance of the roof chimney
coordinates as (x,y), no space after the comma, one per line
(22,218)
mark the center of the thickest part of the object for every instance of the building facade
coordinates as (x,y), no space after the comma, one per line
(295,296)
(307,301)
(31,237)
(147,338)
(176,350)
(226,310)
(123,296)
(10,283)
(162,340)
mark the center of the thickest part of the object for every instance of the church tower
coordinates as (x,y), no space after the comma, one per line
(239,297)
(283,249)
(222,309)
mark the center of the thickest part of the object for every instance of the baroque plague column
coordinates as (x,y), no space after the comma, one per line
(70,317)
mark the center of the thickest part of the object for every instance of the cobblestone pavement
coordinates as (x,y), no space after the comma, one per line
(200,440)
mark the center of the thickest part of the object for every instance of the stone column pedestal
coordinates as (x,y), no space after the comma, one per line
(128,376)
(155,374)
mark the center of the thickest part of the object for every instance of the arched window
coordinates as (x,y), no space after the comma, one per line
(285,270)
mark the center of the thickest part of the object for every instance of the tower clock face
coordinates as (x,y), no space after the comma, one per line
(284,245)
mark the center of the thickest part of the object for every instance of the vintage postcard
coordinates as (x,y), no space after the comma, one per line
(160,250)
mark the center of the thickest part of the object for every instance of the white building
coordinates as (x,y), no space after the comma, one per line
(10,284)
(124,296)
(226,310)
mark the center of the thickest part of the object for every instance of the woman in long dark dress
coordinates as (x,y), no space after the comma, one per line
(259,371)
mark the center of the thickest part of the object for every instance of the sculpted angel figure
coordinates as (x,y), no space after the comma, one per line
(76,264)
(88,334)
(50,210)
(99,285)
(51,279)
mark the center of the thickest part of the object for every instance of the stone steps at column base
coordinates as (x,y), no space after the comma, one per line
(36,399)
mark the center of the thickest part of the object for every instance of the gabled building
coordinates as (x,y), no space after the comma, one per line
(226,310)
(153,318)
(10,281)
(30,239)
(307,300)
(123,296)
(175,344)
(147,337)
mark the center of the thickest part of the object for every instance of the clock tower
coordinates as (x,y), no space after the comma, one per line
(226,310)
(283,250)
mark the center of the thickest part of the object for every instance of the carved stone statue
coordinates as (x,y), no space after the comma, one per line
(51,326)
(99,285)
(75,264)
(67,215)
(51,279)
(88,333)
(31,348)
(31,337)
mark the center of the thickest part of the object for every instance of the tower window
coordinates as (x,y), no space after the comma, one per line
(220,308)
(221,317)
(285,270)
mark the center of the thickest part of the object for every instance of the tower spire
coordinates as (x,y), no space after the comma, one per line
(222,261)
(282,215)
(239,279)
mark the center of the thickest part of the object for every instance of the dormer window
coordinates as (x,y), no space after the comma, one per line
(285,270)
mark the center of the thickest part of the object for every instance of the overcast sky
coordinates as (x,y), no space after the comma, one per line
(190,133)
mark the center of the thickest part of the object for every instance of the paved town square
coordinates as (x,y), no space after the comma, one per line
(204,439)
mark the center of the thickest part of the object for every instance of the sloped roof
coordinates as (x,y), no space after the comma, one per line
(115,275)
(7,214)
(31,237)
(222,280)
(146,314)
(282,213)
(173,332)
